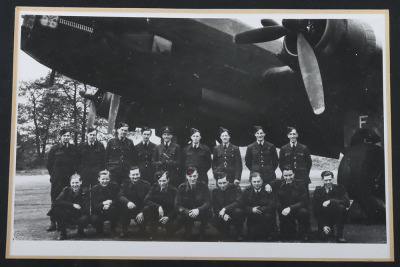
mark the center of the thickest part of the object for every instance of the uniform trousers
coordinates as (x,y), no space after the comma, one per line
(237,220)
(288,222)
(99,217)
(331,215)
(260,225)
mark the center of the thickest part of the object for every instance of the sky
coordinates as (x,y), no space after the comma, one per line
(29,69)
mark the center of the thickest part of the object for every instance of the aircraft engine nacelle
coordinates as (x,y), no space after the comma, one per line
(340,45)
(103,104)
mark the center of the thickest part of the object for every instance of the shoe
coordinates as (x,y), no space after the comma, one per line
(124,234)
(113,232)
(305,239)
(53,227)
(81,232)
(341,240)
(63,235)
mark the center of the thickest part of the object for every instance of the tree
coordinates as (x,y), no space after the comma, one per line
(43,111)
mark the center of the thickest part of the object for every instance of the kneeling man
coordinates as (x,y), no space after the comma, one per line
(104,203)
(72,207)
(226,205)
(330,203)
(193,203)
(160,204)
(293,198)
(260,208)
(131,197)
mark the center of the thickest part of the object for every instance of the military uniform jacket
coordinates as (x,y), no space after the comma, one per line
(135,193)
(294,195)
(168,159)
(68,198)
(266,201)
(299,159)
(228,160)
(228,199)
(99,194)
(198,198)
(91,156)
(262,159)
(120,154)
(199,157)
(145,154)
(337,195)
(62,162)
(166,199)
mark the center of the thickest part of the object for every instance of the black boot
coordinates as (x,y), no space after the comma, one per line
(113,229)
(81,231)
(63,235)
(100,228)
(53,226)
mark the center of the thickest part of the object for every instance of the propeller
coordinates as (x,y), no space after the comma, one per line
(112,115)
(92,114)
(307,60)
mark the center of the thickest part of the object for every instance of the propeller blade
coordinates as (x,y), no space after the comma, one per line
(260,35)
(92,114)
(52,76)
(112,116)
(269,22)
(311,75)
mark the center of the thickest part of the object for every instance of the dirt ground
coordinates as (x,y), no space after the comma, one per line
(32,202)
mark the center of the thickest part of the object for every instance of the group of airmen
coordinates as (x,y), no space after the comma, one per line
(166,186)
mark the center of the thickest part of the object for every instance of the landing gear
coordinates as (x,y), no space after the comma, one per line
(362,173)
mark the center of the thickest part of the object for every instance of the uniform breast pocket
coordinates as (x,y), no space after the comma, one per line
(287,154)
(189,153)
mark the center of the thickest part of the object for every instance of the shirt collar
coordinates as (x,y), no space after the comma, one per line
(262,142)
(295,144)
(188,187)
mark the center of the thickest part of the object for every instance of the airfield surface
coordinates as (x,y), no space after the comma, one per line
(32,202)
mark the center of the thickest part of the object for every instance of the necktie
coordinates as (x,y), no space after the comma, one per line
(146,145)
(260,144)
(166,145)
(225,146)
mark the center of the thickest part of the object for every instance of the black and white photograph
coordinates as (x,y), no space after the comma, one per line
(195,134)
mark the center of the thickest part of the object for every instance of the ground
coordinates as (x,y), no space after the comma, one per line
(32,202)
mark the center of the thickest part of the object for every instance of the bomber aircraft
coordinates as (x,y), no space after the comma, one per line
(325,78)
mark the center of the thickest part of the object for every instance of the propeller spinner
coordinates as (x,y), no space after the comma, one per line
(307,60)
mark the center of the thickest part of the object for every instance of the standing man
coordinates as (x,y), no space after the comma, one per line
(262,157)
(160,205)
(197,155)
(226,158)
(104,203)
(72,207)
(62,164)
(226,201)
(131,197)
(293,200)
(260,208)
(145,151)
(91,158)
(168,156)
(330,203)
(296,155)
(193,203)
(120,154)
